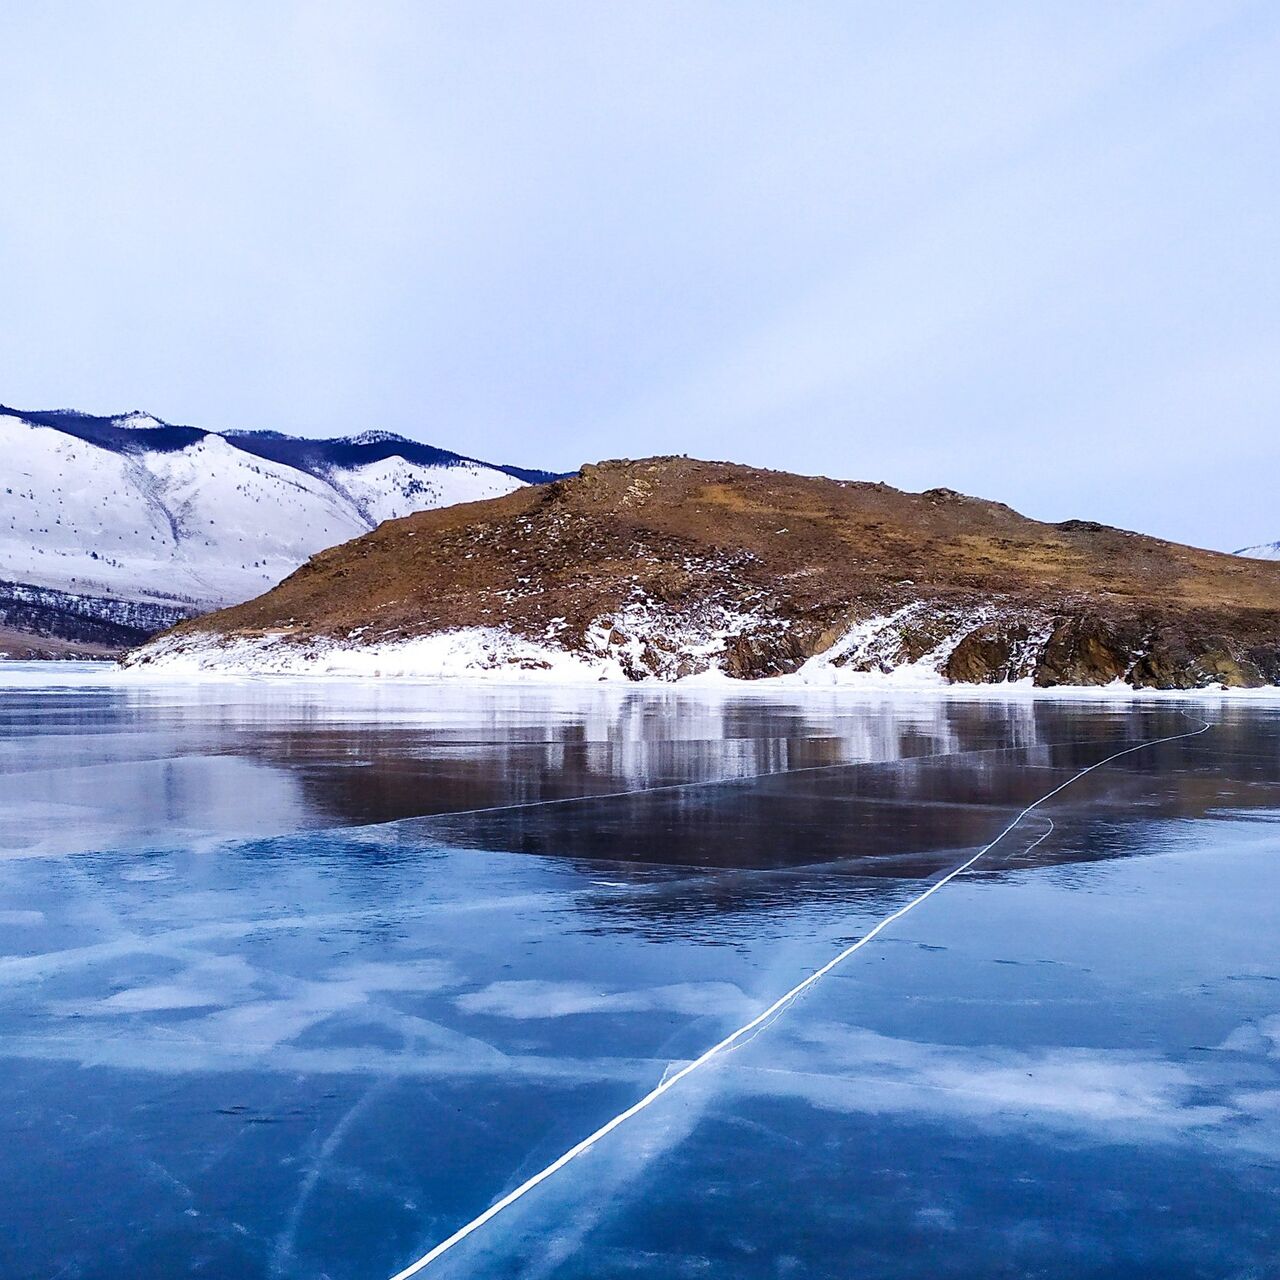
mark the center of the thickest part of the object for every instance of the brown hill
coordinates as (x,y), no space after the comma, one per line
(671,565)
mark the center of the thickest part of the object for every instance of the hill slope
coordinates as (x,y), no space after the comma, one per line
(136,509)
(670,567)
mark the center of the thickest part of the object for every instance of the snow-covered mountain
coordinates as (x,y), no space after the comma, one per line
(1266,551)
(134,508)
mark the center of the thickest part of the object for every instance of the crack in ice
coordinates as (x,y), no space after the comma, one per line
(761,1020)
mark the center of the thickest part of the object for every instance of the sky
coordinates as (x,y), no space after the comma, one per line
(1030,251)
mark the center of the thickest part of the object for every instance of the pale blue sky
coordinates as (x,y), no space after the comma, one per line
(1028,250)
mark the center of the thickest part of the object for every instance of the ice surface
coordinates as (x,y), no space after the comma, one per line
(314,1033)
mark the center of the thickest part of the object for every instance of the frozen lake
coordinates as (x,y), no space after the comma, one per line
(296,980)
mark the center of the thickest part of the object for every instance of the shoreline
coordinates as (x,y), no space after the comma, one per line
(904,685)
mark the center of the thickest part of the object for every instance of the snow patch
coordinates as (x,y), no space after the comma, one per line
(473,652)
(394,487)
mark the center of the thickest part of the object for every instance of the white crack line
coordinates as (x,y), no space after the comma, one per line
(735,1037)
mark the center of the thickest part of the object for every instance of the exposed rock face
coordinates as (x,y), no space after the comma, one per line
(1187,661)
(991,654)
(763,653)
(669,567)
(1087,650)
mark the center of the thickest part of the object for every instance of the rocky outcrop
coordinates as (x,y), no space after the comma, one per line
(670,567)
(992,654)
(1173,660)
(1089,650)
(1086,650)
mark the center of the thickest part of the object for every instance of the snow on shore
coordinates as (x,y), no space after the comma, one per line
(494,655)
(472,652)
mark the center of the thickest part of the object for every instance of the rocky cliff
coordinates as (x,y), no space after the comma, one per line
(671,567)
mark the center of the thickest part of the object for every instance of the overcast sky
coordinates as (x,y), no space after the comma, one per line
(1028,250)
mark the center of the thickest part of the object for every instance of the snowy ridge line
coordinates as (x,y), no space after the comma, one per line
(734,1038)
(1264,551)
(137,509)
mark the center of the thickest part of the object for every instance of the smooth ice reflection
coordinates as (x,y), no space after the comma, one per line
(374,955)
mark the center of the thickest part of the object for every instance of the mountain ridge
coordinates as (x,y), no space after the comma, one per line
(124,432)
(134,508)
(1263,551)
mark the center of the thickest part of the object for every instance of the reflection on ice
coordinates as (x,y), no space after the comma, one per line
(103,761)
